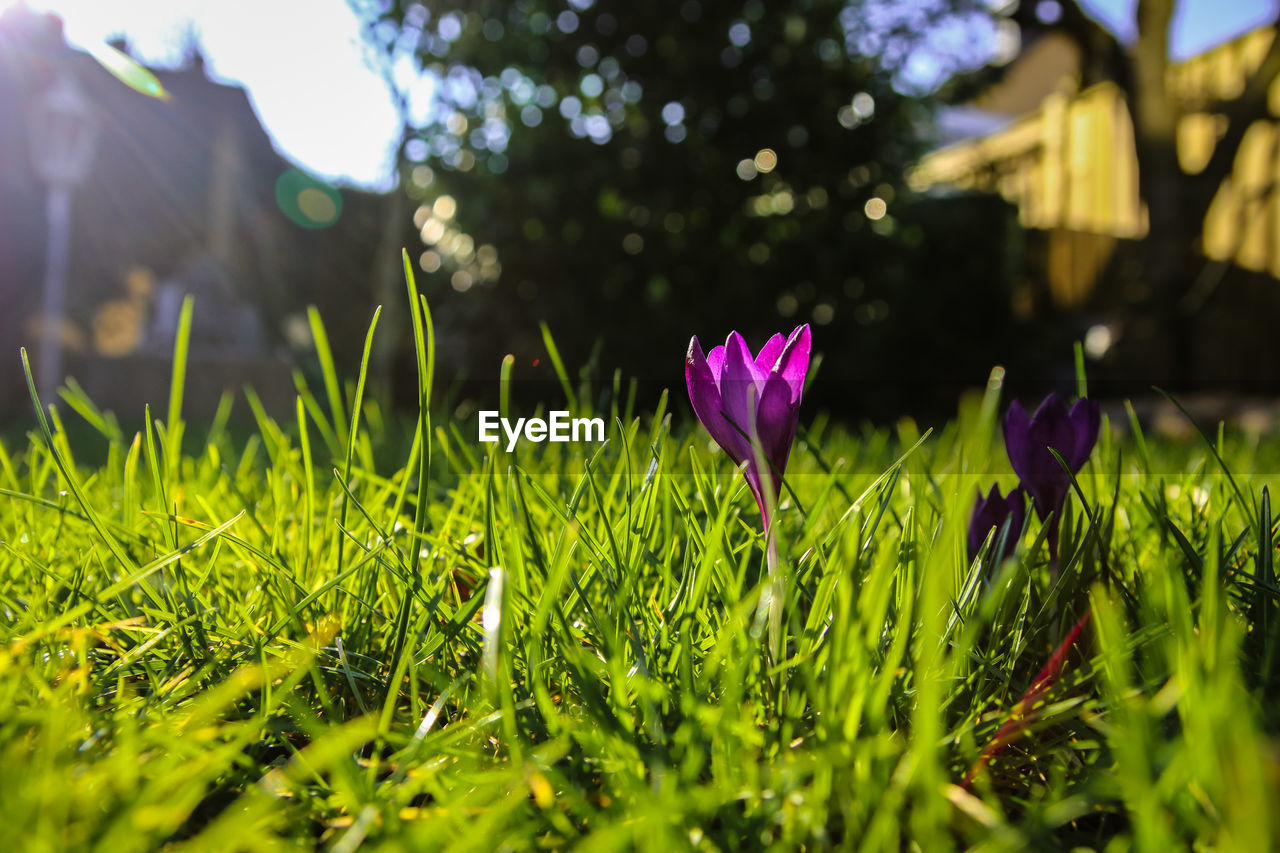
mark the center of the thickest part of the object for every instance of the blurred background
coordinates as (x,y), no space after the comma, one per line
(937,187)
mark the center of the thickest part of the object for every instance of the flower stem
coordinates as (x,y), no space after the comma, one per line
(775,590)
(1027,711)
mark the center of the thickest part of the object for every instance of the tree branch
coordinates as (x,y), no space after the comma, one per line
(1241,113)
(1102,56)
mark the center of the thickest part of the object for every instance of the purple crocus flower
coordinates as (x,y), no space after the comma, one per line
(736,395)
(993,511)
(1028,439)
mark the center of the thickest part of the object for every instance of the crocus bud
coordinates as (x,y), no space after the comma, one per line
(1028,439)
(992,512)
(742,400)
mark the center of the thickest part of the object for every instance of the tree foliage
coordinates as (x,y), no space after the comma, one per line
(634,173)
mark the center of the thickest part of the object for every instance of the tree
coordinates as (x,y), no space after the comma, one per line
(1177,202)
(1160,271)
(635,173)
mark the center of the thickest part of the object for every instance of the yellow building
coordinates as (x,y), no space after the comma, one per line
(1069,165)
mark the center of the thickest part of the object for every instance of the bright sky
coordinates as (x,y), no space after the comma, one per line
(310,78)
(307,74)
(1197,24)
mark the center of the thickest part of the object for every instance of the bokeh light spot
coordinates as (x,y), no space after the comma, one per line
(1048,11)
(423,176)
(445,207)
(432,230)
(570,107)
(567,22)
(416,150)
(317,205)
(1097,341)
(307,202)
(140,282)
(117,328)
(450,26)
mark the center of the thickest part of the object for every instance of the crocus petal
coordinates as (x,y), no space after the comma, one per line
(1017,501)
(715,360)
(981,522)
(707,405)
(739,391)
(1028,442)
(793,362)
(994,511)
(776,419)
(768,355)
(775,429)
(1085,419)
(1017,431)
(700,380)
(1051,427)
(750,406)
(1047,496)
(695,362)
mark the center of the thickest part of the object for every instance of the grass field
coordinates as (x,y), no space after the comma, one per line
(289,642)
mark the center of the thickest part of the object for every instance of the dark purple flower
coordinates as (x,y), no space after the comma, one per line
(993,511)
(1028,439)
(736,395)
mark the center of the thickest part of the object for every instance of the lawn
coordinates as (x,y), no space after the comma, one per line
(291,641)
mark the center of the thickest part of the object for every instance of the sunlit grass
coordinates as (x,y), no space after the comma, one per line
(225,644)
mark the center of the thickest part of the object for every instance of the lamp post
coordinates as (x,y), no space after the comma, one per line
(63,133)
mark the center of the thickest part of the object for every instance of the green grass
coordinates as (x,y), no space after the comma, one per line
(212,644)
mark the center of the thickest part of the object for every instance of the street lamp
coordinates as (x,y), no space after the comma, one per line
(63,133)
